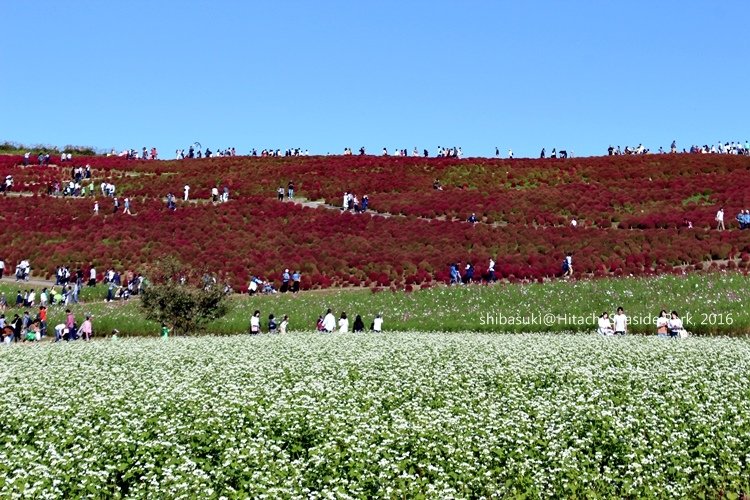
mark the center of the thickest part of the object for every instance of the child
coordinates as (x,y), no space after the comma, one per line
(271,324)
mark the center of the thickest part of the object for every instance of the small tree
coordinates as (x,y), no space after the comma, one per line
(170,298)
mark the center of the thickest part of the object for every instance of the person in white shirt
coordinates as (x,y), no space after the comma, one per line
(186,189)
(674,325)
(92,276)
(605,326)
(284,324)
(377,324)
(329,322)
(255,323)
(621,322)
(720,219)
(574,223)
(2,268)
(662,323)
(215,194)
(343,323)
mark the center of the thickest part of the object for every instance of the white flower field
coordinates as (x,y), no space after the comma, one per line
(398,415)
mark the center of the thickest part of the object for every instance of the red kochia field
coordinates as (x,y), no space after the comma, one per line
(630,212)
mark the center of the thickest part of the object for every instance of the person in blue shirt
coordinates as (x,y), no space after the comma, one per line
(744,219)
(455,274)
(296,278)
(285,281)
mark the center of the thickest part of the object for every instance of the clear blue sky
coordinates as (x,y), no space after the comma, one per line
(325,75)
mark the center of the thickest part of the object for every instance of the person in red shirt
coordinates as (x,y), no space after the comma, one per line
(42,321)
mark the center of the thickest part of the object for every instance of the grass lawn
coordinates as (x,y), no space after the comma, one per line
(710,304)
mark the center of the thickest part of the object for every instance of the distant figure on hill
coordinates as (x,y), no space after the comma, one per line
(542,154)
(720,219)
(510,153)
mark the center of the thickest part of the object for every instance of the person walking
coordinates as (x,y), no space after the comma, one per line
(720,219)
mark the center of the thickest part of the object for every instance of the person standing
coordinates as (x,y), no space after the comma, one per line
(290,190)
(255,323)
(568,265)
(284,324)
(662,323)
(2,268)
(720,219)
(43,321)
(491,271)
(674,325)
(186,190)
(621,322)
(87,328)
(116,206)
(126,203)
(96,208)
(296,278)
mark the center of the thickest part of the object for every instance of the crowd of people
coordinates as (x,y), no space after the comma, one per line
(26,328)
(733,148)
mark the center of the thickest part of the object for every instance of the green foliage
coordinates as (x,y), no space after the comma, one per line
(179,305)
(8,147)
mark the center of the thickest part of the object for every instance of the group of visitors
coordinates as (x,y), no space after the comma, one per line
(351,202)
(554,154)
(259,285)
(617,326)
(468,276)
(667,324)
(629,150)
(289,192)
(731,148)
(27,329)
(327,323)
(272,326)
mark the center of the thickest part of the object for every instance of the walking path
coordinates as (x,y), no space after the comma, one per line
(317,204)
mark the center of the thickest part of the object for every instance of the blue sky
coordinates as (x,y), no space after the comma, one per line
(325,75)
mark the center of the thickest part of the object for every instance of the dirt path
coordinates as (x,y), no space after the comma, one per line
(304,202)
